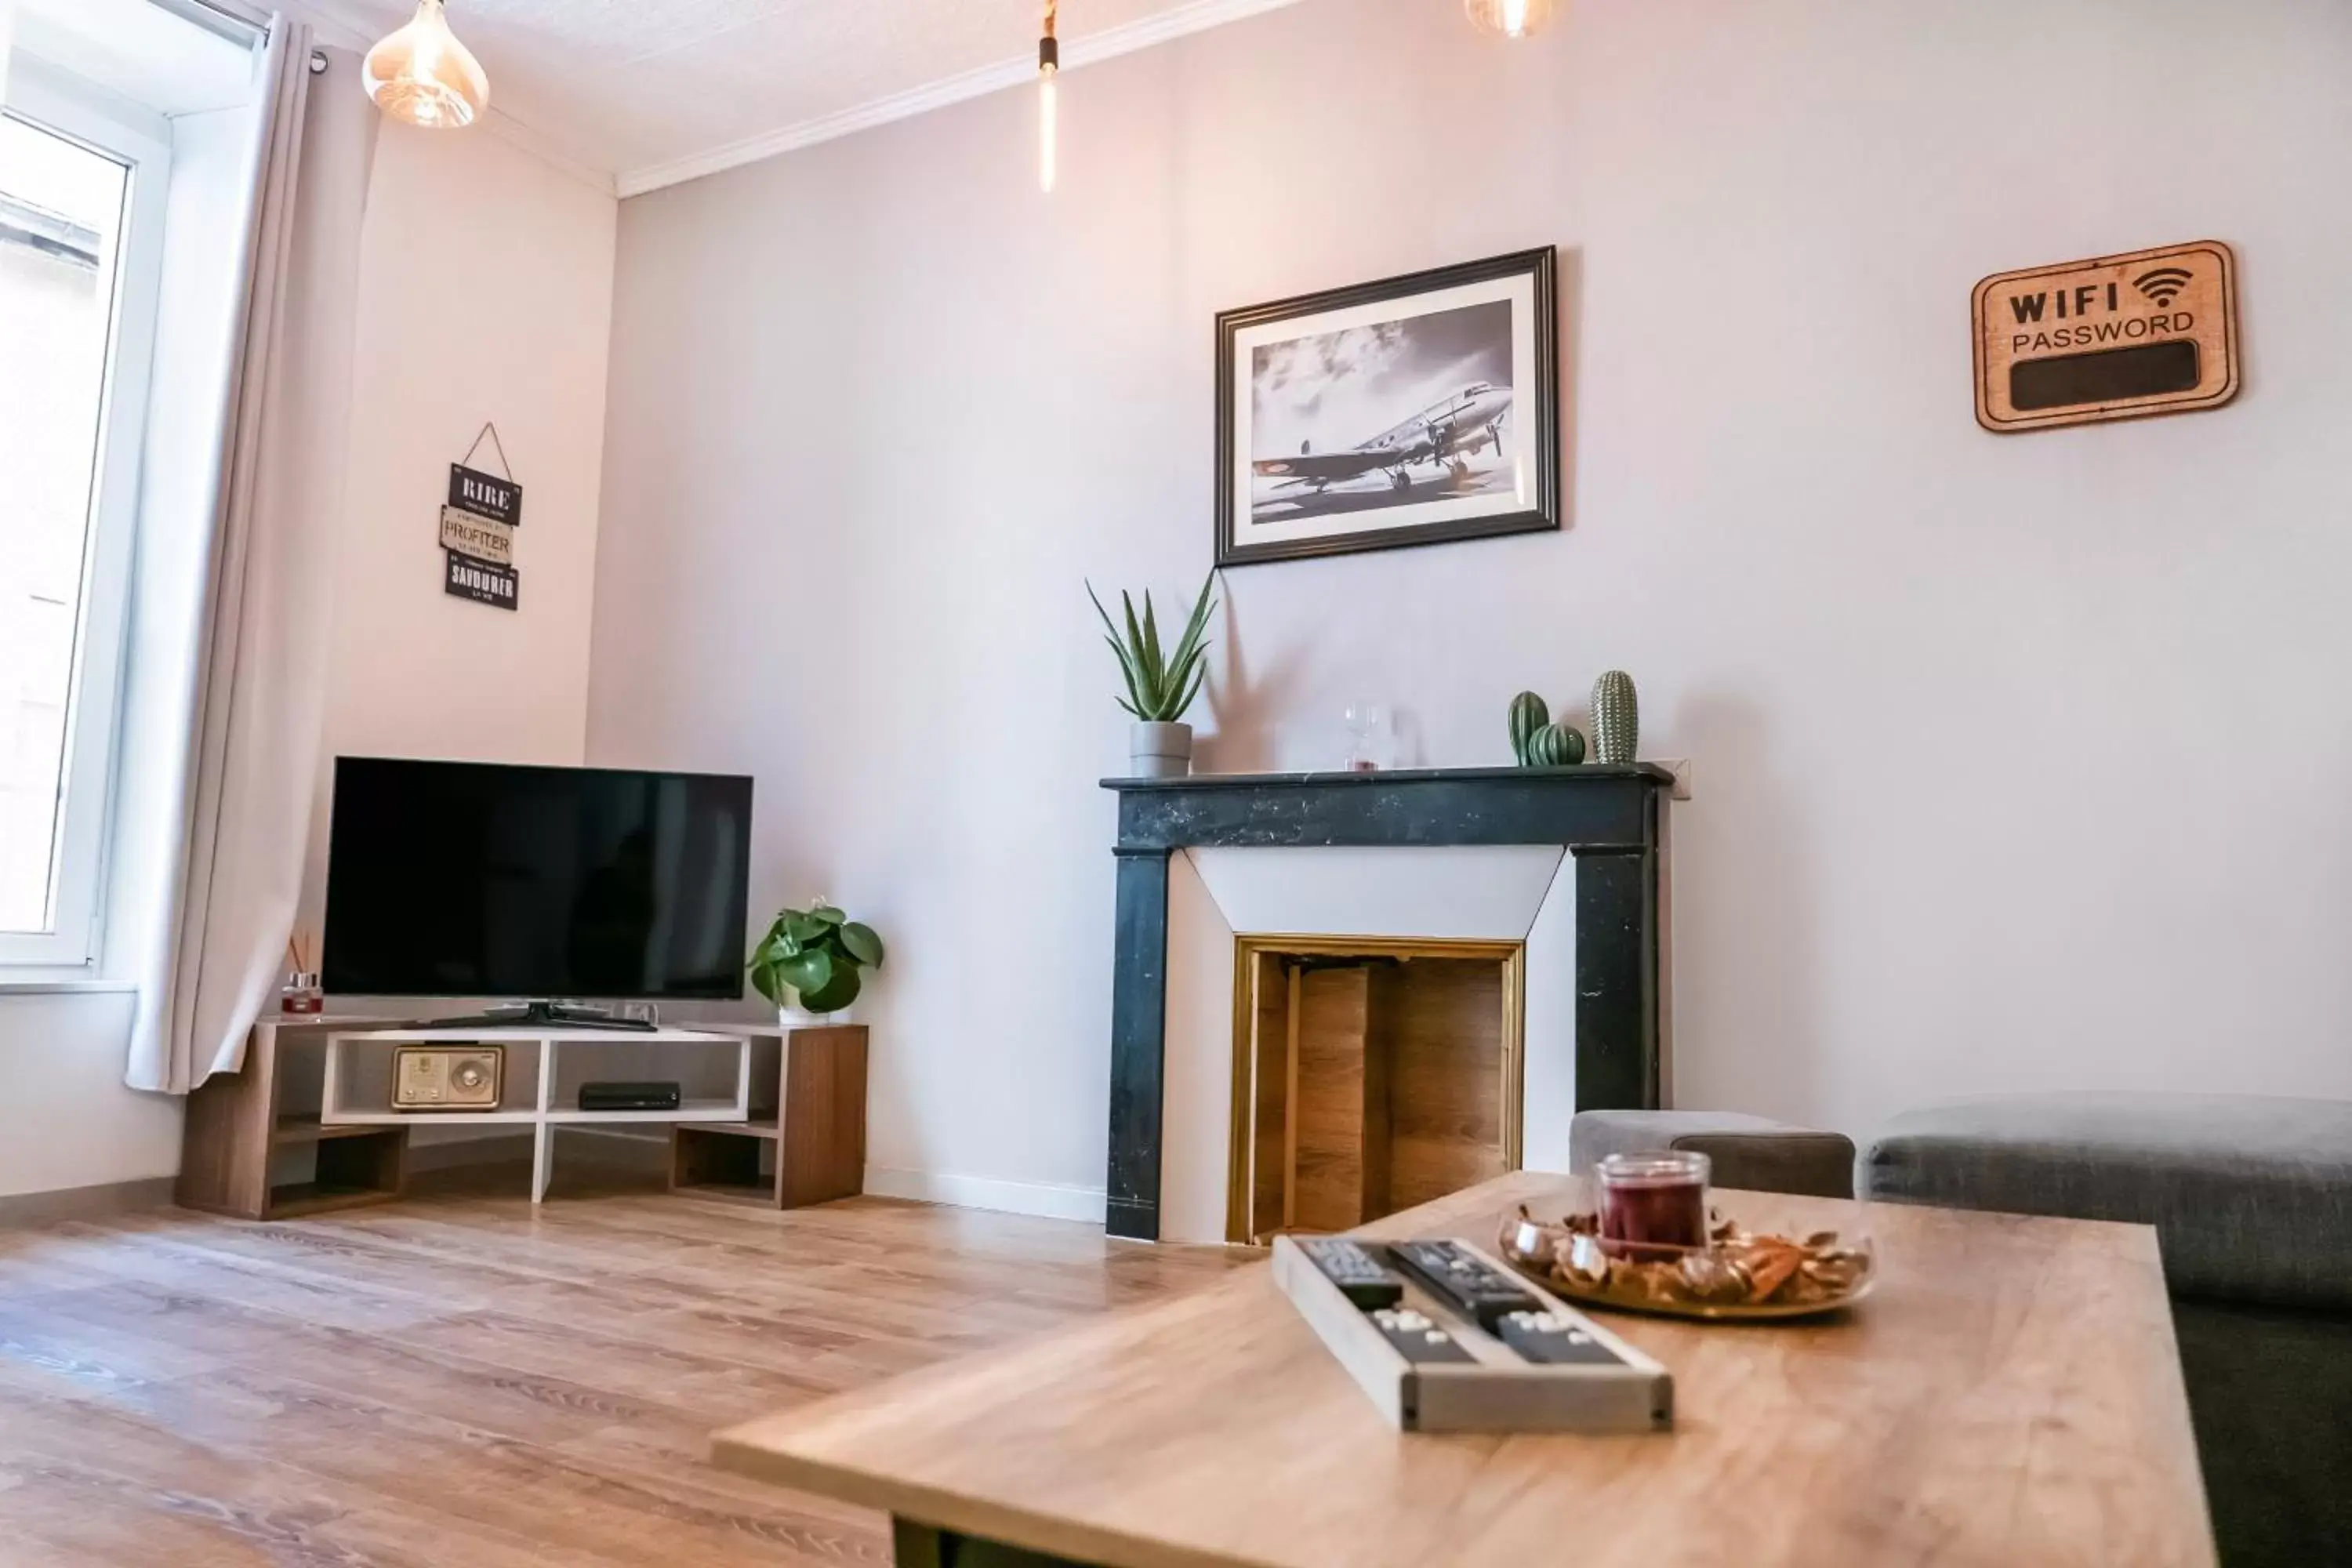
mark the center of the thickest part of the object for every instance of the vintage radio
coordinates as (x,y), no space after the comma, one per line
(448,1078)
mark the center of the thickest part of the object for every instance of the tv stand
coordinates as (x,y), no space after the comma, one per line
(538,1094)
(543,1015)
(305,1124)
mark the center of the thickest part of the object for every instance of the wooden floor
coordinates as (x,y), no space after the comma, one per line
(456,1381)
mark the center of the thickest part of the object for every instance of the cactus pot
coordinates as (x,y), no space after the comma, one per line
(1159,750)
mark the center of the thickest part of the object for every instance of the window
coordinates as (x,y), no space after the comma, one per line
(81,181)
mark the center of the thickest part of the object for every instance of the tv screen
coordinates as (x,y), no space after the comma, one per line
(467,880)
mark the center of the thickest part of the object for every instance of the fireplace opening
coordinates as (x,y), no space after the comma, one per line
(1369,1075)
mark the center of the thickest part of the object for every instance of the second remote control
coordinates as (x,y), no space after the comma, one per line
(1464,1281)
(1418,1340)
(1551,1340)
(1359,1276)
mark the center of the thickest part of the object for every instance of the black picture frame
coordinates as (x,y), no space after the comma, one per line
(1536,420)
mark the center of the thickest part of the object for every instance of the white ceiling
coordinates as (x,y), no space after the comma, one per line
(653,91)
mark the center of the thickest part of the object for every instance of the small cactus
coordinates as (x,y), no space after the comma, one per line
(1616,718)
(1555,746)
(1529,715)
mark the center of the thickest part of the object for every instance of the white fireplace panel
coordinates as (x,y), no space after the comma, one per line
(1548,1046)
(1500,894)
(1196,1082)
(1465,892)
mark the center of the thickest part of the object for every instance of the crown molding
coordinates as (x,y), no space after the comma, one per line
(527,139)
(1160,29)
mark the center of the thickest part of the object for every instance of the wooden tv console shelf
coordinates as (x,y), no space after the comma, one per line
(307,1125)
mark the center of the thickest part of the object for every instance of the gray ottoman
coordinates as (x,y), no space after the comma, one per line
(1747,1152)
(2251,1202)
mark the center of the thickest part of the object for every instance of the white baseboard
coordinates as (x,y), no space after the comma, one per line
(1042,1199)
(101,1202)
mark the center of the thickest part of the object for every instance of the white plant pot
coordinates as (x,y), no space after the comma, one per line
(1159,750)
(792,1016)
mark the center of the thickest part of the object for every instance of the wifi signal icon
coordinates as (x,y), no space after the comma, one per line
(2164,285)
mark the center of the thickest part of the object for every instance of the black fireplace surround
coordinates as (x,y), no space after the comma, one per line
(1608,818)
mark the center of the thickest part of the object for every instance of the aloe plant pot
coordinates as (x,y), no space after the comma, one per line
(1159,750)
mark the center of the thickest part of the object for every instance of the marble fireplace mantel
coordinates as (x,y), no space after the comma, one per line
(1612,820)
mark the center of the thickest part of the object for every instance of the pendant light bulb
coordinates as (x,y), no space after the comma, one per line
(422,74)
(1511,19)
(1049,107)
(1048,132)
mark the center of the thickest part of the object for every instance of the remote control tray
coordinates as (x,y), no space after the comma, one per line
(1496,1390)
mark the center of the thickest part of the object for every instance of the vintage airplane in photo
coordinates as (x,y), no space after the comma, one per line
(1443,434)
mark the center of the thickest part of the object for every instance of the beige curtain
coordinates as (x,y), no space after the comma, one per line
(255,704)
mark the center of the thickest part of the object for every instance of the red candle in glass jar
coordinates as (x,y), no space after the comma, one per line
(1653,1203)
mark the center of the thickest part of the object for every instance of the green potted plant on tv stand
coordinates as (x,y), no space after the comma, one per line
(812,962)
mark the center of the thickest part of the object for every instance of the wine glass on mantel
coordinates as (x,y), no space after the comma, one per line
(1371,737)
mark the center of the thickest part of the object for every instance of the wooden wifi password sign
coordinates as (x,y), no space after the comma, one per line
(2153,331)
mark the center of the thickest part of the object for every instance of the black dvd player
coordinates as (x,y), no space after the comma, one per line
(629,1097)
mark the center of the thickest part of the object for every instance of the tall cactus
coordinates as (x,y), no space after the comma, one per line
(1616,718)
(1529,715)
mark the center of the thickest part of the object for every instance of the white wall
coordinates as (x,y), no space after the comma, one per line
(484,296)
(66,1121)
(485,289)
(2020,760)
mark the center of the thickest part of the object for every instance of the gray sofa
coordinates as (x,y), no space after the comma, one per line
(2251,1202)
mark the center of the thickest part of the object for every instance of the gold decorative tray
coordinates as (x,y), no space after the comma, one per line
(1738,1277)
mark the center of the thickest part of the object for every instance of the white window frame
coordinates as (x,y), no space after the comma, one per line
(65,105)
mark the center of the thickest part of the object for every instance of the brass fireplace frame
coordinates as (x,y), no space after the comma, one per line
(1241,1162)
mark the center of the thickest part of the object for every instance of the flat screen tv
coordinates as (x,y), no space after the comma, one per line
(468,879)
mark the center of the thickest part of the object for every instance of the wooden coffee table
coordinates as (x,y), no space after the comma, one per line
(2010,1395)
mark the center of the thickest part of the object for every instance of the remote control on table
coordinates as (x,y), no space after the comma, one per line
(1464,1281)
(1555,1340)
(1361,1277)
(1428,1365)
(1416,1338)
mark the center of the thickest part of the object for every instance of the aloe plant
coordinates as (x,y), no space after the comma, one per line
(817,953)
(1160,687)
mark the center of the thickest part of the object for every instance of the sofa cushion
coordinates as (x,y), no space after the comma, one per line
(2251,1196)
(1747,1152)
(2268,1389)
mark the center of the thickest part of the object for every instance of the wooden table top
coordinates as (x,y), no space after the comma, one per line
(2009,1394)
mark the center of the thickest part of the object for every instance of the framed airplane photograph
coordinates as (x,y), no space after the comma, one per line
(1417,410)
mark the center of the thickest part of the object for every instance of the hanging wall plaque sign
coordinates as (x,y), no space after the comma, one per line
(2116,337)
(464,533)
(485,495)
(482,583)
(477,530)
